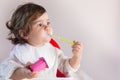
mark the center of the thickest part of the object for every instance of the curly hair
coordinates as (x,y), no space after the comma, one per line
(22,19)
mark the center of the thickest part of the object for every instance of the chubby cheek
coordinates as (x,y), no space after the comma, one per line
(35,36)
(40,35)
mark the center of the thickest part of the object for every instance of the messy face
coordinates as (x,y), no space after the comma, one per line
(41,31)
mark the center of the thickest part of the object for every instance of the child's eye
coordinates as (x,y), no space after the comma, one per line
(48,23)
(40,25)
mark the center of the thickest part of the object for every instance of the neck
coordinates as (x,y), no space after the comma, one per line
(36,44)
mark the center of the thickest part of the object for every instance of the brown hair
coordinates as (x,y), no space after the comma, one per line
(22,20)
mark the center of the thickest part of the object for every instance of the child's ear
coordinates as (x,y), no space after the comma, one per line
(23,35)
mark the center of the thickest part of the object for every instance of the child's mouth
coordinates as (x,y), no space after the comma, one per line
(47,35)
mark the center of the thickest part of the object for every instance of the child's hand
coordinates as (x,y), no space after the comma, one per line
(30,74)
(77,53)
(77,49)
(21,73)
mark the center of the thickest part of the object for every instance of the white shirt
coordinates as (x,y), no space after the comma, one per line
(21,54)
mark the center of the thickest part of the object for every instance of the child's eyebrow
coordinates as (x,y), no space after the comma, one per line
(36,21)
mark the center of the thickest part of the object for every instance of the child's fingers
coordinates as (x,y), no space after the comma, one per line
(76,49)
(28,64)
(77,42)
(77,45)
(27,72)
(30,74)
(33,74)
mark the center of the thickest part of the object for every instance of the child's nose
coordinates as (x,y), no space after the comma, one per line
(47,28)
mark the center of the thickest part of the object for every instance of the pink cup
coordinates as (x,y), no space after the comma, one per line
(39,65)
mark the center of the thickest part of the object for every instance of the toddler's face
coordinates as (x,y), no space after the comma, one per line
(41,31)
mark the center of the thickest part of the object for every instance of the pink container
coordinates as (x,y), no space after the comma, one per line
(39,65)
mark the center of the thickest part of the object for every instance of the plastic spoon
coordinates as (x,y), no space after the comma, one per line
(63,39)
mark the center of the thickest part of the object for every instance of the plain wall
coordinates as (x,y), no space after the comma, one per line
(96,23)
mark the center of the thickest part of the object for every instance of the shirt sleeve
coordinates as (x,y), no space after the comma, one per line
(7,68)
(63,64)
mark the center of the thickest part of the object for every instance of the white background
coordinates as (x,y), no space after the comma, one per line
(96,23)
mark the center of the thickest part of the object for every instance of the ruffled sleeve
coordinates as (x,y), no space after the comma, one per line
(63,64)
(7,68)
(9,65)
